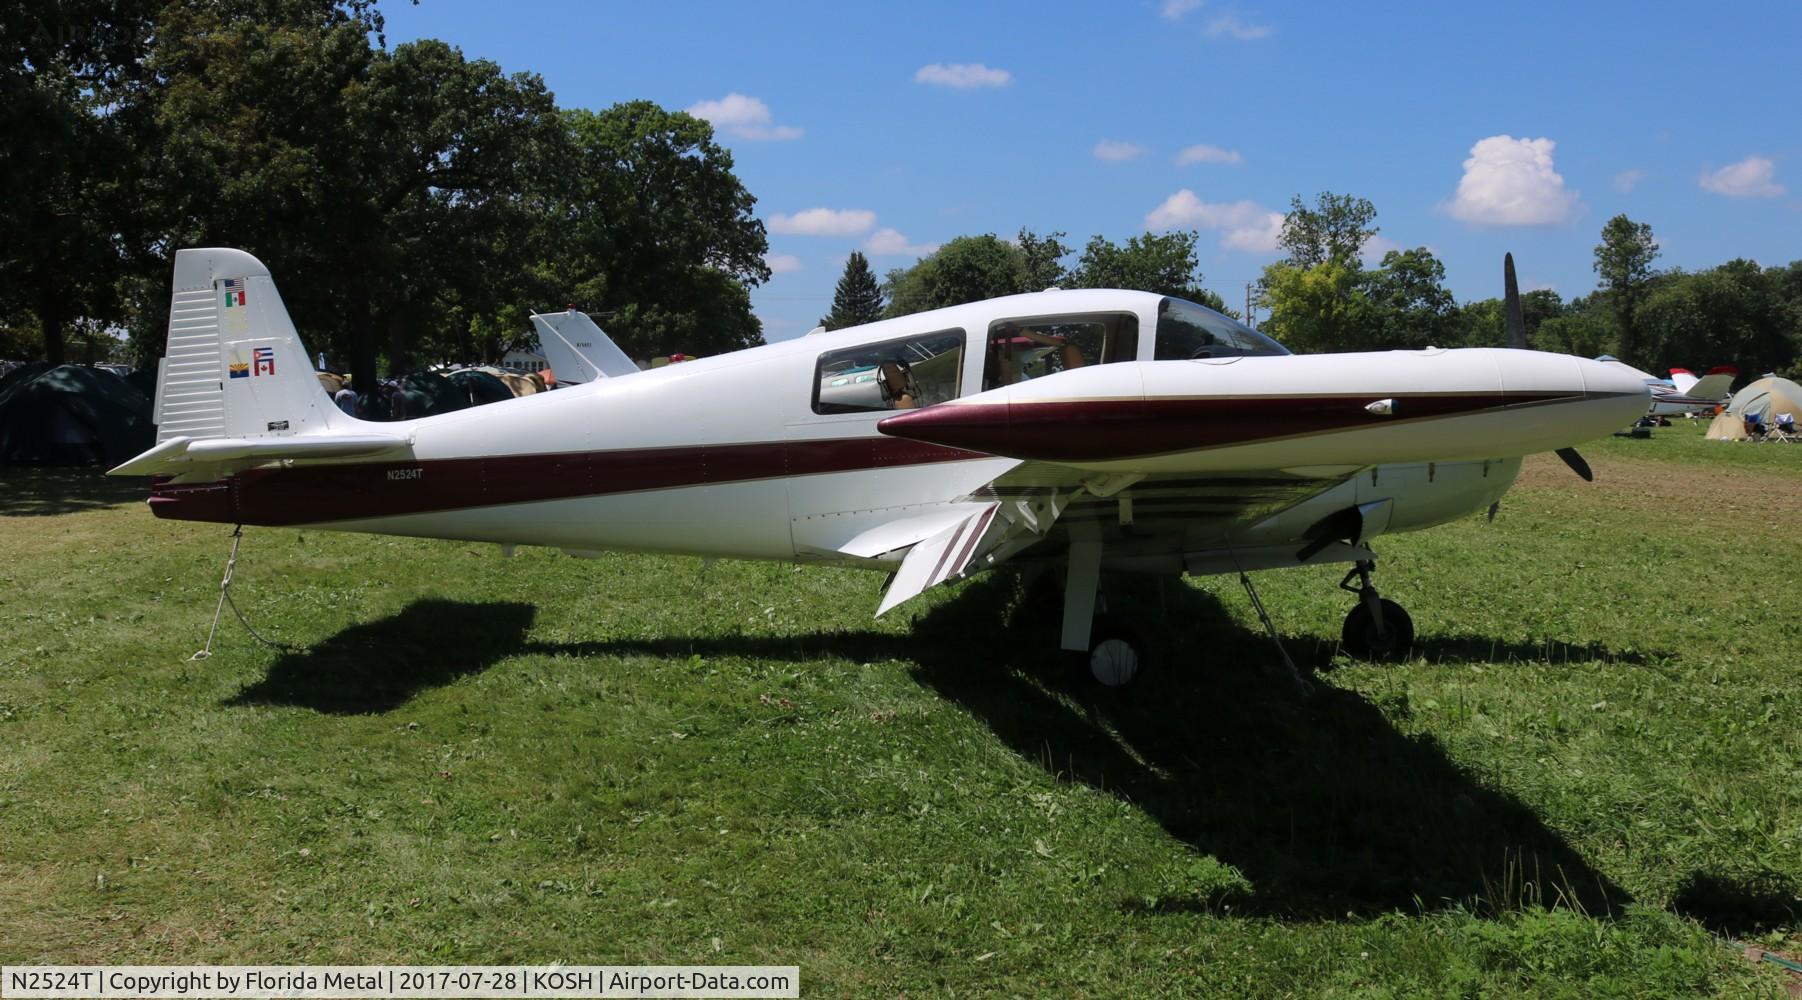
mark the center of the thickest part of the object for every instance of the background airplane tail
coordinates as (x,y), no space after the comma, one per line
(577,349)
(1717,383)
(234,365)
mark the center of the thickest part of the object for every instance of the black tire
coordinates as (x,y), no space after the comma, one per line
(1117,656)
(1361,639)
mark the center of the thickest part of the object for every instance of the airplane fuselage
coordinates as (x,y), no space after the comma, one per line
(731,455)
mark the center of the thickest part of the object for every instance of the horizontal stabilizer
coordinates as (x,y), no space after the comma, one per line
(181,454)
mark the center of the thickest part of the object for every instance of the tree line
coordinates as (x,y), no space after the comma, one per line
(413,203)
(416,203)
(1321,296)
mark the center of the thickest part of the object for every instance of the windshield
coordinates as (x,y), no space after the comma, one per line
(1187,331)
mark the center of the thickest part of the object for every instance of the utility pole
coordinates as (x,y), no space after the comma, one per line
(1250,320)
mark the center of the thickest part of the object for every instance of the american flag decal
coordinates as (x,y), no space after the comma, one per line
(262,360)
(234,292)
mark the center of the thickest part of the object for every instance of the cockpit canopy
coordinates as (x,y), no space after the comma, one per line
(1187,331)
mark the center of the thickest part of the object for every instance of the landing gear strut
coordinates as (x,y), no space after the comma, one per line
(1377,629)
(1111,652)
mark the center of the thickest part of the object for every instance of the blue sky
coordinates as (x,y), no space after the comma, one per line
(1474,129)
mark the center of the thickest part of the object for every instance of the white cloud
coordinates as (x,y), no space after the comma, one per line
(1751,177)
(1114,151)
(1510,182)
(1627,180)
(1244,225)
(782,263)
(1232,26)
(743,117)
(1175,9)
(1206,153)
(891,243)
(963,75)
(824,222)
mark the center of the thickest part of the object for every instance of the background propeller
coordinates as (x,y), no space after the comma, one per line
(1517,327)
(1517,338)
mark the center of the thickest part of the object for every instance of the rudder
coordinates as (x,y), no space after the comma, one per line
(234,365)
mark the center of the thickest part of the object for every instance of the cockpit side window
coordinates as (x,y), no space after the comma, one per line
(893,375)
(1187,331)
(1021,349)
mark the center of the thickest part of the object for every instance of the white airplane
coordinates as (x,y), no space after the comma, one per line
(1683,392)
(577,350)
(1161,438)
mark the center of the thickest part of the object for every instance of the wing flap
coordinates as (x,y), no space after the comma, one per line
(942,556)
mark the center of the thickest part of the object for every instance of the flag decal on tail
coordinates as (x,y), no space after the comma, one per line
(234,292)
(263,361)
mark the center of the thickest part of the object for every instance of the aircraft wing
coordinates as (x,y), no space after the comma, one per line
(1044,504)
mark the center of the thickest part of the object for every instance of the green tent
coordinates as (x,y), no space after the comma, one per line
(71,415)
(427,394)
(479,386)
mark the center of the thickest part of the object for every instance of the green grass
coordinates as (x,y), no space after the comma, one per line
(1590,761)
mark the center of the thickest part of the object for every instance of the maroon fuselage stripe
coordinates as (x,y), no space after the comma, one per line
(351,491)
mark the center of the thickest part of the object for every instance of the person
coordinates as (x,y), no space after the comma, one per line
(346,400)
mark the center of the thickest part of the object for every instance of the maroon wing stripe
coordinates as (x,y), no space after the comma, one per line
(1114,429)
(963,557)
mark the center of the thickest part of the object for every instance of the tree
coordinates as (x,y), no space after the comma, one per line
(1412,306)
(1318,309)
(1334,230)
(1480,323)
(1165,264)
(72,138)
(377,185)
(1726,315)
(647,225)
(1043,258)
(858,298)
(967,269)
(1582,332)
(1623,260)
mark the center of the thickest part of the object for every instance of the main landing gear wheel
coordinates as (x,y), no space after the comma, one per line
(1367,639)
(1116,655)
(1376,629)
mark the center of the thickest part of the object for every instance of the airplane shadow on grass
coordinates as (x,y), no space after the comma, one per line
(1322,805)
(377,666)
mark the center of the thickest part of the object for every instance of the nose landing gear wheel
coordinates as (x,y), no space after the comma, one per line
(1365,639)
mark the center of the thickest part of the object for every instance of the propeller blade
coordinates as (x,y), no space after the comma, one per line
(1511,317)
(1492,509)
(1576,463)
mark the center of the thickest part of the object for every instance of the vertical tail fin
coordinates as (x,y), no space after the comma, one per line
(234,388)
(234,367)
(577,349)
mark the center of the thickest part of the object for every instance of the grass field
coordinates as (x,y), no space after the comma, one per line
(1591,762)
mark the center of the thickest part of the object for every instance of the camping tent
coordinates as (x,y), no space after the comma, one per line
(1764,399)
(479,386)
(427,394)
(71,415)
